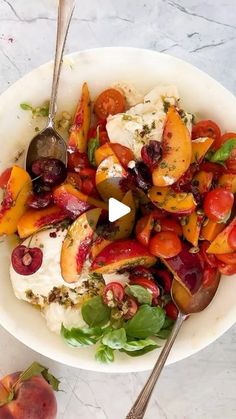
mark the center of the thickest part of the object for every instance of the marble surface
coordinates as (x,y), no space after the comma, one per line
(203,33)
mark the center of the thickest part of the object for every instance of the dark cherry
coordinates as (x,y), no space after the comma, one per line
(52,171)
(77,161)
(26,260)
(40,200)
(164,278)
(151,153)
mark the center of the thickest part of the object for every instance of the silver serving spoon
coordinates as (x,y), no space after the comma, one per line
(187,304)
(48,143)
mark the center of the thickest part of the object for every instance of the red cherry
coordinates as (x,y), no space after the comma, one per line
(26,260)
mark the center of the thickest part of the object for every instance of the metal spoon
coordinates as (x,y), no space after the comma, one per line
(48,143)
(187,304)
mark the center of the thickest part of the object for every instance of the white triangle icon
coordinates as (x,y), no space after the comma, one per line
(116,209)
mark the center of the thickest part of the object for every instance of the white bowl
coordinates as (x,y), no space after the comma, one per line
(100,68)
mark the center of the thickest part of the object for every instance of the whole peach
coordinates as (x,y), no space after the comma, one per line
(33,399)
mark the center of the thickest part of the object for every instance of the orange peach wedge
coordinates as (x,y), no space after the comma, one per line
(200,146)
(220,244)
(103,152)
(228,181)
(176,151)
(19,187)
(191,230)
(203,181)
(76,244)
(34,220)
(122,254)
(81,123)
(168,200)
(108,176)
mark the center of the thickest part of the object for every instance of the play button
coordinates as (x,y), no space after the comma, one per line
(116,209)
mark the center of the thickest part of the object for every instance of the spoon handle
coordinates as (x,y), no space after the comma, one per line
(65,11)
(140,405)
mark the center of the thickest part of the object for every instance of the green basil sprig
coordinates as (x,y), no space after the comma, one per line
(93,144)
(95,312)
(142,295)
(221,155)
(146,322)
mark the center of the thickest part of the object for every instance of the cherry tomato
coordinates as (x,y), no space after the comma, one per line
(140,271)
(165,279)
(216,169)
(87,175)
(77,160)
(165,244)
(171,310)
(158,214)
(124,154)
(113,294)
(4,177)
(232,238)
(109,102)
(74,179)
(169,224)
(231,162)
(147,283)
(228,258)
(209,275)
(209,258)
(143,229)
(207,128)
(218,204)
(131,306)
(103,137)
(226,269)
(227,136)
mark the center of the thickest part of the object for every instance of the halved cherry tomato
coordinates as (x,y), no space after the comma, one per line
(77,161)
(232,238)
(4,177)
(109,102)
(209,258)
(140,271)
(131,306)
(113,294)
(226,269)
(74,179)
(147,283)
(171,310)
(218,204)
(165,244)
(207,128)
(228,258)
(209,275)
(169,224)
(124,154)
(165,278)
(231,162)
(143,229)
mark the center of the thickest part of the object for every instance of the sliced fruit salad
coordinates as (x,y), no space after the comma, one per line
(105,283)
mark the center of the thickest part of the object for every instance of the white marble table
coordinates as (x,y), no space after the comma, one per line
(204,33)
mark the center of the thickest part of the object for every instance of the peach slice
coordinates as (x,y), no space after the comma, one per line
(122,254)
(98,245)
(76,244)
(192,228)
(34,220)
(176,151)
(103,152)
(19,187)
(74,201)
(200,146)
(228,181)
(124,226)
(81,123)
(108,176)
(220,244)
(203,180)
(210,230)
(168,200)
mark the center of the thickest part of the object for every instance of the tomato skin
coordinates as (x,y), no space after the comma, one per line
(209,258)
(171,310)
(226,269)
(209,275)
(227,136)
(74,179)
(132,308)
(218,204)
(124,154)
(77,161)
(113,294)
(216,169)
(169,224)
(228,258)
(109,102)
(207,128)
(4,177)
(232,238)
(165,244)
(147,283)
(103,137)
(231,162)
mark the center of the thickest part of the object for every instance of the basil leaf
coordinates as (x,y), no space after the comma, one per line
(224,151)
(140,293)
(93,144)
(95,313)
(81,337)
(115,339)
(146,322)
(166,329)
(140,351)
(104,354)
(136,345)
